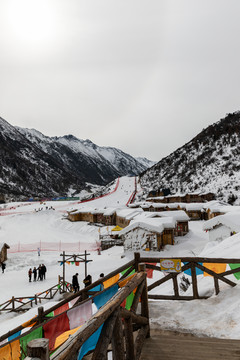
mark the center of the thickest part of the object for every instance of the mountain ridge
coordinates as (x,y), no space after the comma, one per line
(208,162)
(35,165)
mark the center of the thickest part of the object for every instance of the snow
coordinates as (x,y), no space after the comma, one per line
(25,223)
(231,220)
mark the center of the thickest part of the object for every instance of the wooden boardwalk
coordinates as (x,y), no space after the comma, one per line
(166,345)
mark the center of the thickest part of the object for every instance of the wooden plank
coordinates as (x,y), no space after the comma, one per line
(173,346)
(139,342)
(138,319)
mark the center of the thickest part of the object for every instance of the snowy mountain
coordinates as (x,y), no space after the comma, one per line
(33,164)
(209,162)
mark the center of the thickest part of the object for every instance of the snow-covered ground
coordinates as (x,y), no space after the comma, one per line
(24,224)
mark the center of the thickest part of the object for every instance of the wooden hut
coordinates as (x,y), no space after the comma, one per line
(74,215)
(148,234)
(3,252)
(98,216)
(124,216)
(109,216)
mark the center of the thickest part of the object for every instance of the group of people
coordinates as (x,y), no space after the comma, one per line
(37,273)
(87,281)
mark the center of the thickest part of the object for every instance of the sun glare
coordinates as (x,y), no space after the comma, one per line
(31,22)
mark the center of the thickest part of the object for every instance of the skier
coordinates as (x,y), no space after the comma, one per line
(75,283)
(30,274)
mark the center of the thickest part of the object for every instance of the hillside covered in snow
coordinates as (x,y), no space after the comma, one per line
(209,162)
(35,165)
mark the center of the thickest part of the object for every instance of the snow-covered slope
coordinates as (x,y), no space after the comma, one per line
(35,165)
(209,162)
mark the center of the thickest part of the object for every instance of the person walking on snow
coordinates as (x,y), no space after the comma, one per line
(75,283)
(30,274)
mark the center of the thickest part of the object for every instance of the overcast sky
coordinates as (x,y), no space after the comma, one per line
(144,76)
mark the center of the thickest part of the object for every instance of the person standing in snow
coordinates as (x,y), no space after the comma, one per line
(75,283)
(39,269)
(44,270)
(3,267)
(38,250)
(30,274)
(88,280)
(34,273)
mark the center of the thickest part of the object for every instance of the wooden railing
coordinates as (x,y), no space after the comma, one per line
(193,264)
(120,333)
(25,303)
(82,295)
(118,323)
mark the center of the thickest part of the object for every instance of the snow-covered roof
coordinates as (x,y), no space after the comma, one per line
(194,207)
(128,213)
(155,198)
(172,205)
(156,225)
(228,248)
(231,220)
(178,215)
(110,211)
(159,205)
(97,211)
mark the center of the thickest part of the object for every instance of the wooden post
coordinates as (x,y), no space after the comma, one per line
(13,303)
(128,330)
(38,348)
(35,296)
(40,314)
(144,298)
(85,254)
(137,260)
(216,283)
(117,340)
(63,271)
(175,286)
(194,281)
